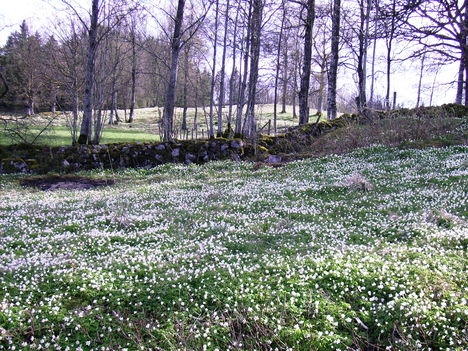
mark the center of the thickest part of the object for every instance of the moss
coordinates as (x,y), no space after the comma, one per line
(194,146)
(307,128)
(266,140)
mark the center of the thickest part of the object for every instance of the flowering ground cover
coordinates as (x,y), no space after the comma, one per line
(365,251)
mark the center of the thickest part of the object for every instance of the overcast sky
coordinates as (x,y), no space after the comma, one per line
(40,14)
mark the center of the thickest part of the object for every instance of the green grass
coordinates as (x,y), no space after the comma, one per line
(60,136)
(145,126)
(226,257)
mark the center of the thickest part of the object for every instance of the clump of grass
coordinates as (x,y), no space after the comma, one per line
(357,181)
(444,219)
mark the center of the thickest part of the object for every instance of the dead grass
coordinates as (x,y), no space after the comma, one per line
(391,132)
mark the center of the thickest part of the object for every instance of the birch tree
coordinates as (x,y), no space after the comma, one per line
(334,56)
(307,6)
(250,128)
(180,37)
(222,73)
(213,70)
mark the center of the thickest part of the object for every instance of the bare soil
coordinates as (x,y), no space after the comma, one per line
(65,182)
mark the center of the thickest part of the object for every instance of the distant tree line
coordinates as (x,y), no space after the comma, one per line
(212,54)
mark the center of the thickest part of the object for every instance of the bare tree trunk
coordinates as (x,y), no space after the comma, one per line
(374,50)
(113,103)
(418,100)
(88,99)
(306,64)
(285,76)
(30,109)
(250,129)
(168,116)
(466,78)
(362,55)
(465,50)
(53,105)
(243,84)
(75,110)
(321,90)
(460,81)
(75,120)
(133,73)
(390,38)
(433,88)
(231,80)
(278,66)
(223,69)
(195,117)
(97,126)
(213,72)
(116,109)
(371,98)
(185,100)
(295,77)
(294,105)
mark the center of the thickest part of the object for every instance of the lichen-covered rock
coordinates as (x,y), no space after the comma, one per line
(122,155)
(190,157)
(17,165)
(175,153)
(236,144)
(273,159)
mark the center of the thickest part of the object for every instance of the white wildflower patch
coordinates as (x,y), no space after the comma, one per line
(223,257)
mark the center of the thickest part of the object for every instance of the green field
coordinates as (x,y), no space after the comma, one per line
(146,126)
(359,252)
(59,136)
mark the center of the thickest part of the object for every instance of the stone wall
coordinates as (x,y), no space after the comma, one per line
(34,159)
(40,159)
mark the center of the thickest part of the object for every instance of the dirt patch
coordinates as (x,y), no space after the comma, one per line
(65,182)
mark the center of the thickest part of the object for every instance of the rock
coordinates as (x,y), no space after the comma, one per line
(236,144)
(158,158)
(160,147)
(175,153)
(190,157)
(16,165)
(224,147)
(273,159)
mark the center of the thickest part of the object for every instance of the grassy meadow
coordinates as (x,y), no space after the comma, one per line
(365,251)
(146,126)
